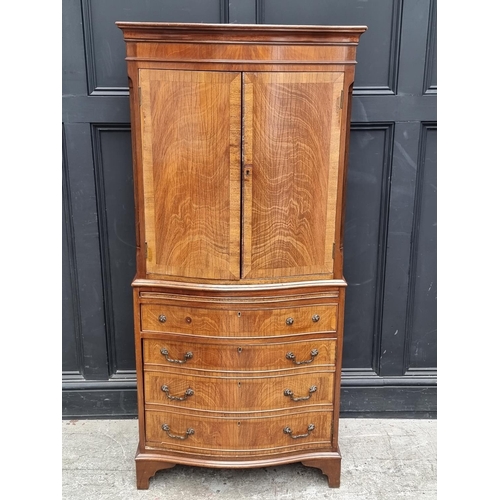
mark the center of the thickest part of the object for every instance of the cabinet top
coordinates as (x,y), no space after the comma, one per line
(149,31)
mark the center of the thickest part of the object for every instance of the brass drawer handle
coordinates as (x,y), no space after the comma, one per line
(166,390)
(315,318)
(289,431)
(289,321)
(291,356)
(289,392)
(187,356)
(162,318)
(166,428)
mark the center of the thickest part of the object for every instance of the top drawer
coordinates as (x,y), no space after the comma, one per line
(239,322)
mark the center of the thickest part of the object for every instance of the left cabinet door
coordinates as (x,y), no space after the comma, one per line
(191,146)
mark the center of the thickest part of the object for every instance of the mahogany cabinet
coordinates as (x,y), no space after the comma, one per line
(240,140)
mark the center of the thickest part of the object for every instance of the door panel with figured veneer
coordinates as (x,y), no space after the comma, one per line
(292,124)
(191,128)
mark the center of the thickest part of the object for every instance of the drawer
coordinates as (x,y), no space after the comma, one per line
(236,436)
(231,355)
(238,322)
(239,394)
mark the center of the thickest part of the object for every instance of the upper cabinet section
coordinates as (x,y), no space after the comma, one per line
(239,141)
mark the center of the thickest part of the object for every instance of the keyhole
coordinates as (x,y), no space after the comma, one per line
(239,384)
(247,172)
(240,349)
(239,423)
(239,314)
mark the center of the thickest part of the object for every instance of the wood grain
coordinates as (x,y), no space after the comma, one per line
(222,436)
(238,394)
(251,53)
(266,321)
(291,159)
(191,166)
(248,358)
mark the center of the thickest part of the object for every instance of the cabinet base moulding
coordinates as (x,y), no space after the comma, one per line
(148,464)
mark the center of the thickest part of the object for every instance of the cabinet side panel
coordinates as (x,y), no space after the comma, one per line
(191,127)
(291,152)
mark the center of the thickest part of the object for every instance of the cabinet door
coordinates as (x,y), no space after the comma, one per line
(291,158)
(191,142)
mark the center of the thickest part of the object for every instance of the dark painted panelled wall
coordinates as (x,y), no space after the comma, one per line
(390,232)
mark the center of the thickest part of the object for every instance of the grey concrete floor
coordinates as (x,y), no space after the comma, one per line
(383,459)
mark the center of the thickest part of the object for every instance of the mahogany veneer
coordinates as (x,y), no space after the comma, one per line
(240,141)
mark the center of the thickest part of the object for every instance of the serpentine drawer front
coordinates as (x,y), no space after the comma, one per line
(230,355)
(240,139)
(238,394)
(232,436)
(238,322)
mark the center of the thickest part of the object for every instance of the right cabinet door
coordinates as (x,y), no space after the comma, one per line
(291,134)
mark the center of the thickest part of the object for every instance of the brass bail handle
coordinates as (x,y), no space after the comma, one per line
(289,431)
(166,428)
(187,393)
(291,357)
(187,356)
(289,393)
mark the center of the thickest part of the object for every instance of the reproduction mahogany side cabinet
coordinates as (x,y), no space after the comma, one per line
(240,141)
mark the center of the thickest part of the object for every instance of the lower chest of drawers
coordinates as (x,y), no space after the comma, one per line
(238,381)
